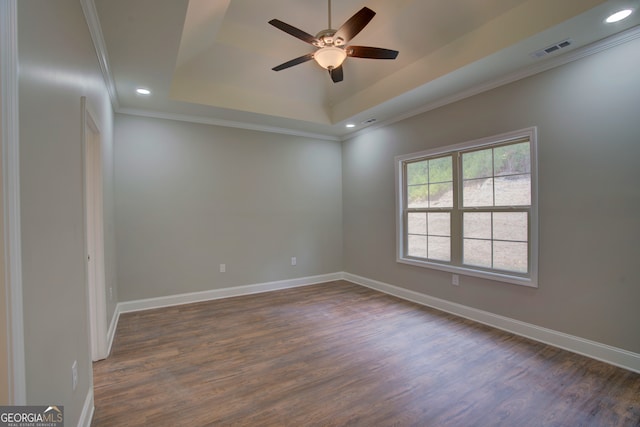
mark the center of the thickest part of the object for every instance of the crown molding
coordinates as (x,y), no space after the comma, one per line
(93,22)
(539,67)
(225,123)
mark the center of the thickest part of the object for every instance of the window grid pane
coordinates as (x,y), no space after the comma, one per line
(477,225)
(441,195)
(510,226)
(418,196)
(478,253)
(477,192)
(512,159)
(439,224)
(439,248)
(510,256)
(417,223)
(512,190)
(477,164)
(417,172)
(417,246)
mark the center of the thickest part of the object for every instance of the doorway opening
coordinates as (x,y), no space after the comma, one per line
(94,227)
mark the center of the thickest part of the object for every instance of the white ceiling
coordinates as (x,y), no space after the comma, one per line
(211,60)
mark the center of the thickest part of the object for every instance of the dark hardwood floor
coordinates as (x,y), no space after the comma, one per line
(339,354)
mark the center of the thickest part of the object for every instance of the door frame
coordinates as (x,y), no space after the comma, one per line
(17,389)
(94,232)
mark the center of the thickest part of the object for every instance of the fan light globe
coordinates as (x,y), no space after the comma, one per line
(330,57)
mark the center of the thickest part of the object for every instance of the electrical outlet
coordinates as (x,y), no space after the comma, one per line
(111,293)
(223,268)
(294,261)
(455,280)
(74,375)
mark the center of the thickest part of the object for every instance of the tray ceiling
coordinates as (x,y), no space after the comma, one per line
(212,59)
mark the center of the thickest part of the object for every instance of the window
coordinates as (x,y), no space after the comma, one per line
(471,208)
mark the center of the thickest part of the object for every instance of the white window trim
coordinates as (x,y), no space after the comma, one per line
(532,280)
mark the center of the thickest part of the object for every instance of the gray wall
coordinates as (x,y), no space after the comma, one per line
(58,65)
(190,197)
(589,148)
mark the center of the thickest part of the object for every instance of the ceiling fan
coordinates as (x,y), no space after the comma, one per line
(331,44)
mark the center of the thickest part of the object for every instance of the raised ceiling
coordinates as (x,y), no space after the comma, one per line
(211,60)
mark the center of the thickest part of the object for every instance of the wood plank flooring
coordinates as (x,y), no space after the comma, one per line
(338,354)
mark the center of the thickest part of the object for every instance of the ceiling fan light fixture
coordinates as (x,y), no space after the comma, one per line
(331,44)
(330,57)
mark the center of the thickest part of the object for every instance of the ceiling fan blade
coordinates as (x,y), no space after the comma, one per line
(371,52)
(355,24)
(295,32)
(296,61)
(337,74)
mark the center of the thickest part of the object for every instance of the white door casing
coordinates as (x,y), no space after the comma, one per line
(94,228)
(17,389)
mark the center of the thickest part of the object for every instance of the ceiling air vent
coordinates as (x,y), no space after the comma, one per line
(369,121)
(551,49)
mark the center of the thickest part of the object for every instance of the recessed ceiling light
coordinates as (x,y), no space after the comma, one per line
(619,16)
(350,125)
(143,91)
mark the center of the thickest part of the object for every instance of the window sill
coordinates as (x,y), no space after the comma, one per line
(465,271)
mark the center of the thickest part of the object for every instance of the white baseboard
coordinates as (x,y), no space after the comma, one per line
(595,350)
(612,355)
(213,294)
(87,410)
(111,333)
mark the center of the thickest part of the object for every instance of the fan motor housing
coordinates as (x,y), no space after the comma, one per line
(326,38)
